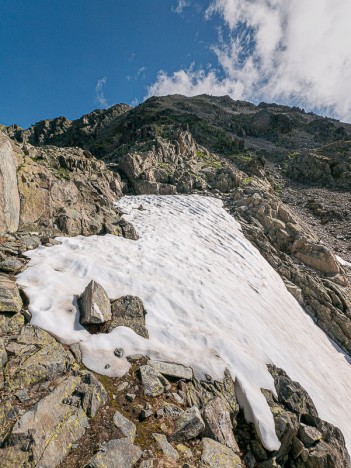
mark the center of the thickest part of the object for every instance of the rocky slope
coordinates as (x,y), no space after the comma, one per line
(286,177)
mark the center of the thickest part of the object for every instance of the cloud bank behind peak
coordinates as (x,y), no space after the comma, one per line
(288,51)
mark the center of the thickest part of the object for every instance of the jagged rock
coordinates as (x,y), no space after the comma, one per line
(292,394)
(216,455)
(172,410)
(51,426)
(127,428)
(10,300)
(315,255)
(333,446)
(127,311)
(184,451)
(22,395)
(11,324)
(116,453)
(3,354)
(188,425)
(93,392)
(76,351)
(145,413)
(218,423)
(153,382)
(8,415)
(166,447)
(94,304)
(172,370)
(11,265)
(297,424)
(309,435)
(9,196)
(35,357)
(128,230)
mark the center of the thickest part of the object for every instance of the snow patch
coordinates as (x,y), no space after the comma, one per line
(212,303)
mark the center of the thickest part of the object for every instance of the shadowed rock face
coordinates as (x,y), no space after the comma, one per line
(9,196)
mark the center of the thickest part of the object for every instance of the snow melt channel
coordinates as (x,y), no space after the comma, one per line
(212,302)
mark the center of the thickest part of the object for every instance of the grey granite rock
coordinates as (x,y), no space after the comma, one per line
(216,455)
(95,306)
(116,453)
(127,428)
(188,425)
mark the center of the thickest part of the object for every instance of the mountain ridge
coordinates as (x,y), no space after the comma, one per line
(283,174)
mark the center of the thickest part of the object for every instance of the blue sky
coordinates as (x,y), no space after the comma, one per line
(68,57)
(53,52)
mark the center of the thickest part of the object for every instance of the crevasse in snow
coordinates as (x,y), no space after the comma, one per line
(212,302)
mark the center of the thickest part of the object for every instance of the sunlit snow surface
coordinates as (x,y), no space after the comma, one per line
(212,302)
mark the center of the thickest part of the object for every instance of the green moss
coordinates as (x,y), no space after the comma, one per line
(63,173)
(208,160)
(246,181)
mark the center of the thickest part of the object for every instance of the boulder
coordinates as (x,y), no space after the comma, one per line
(3,354)
(172,370)
(127,311)
(127,428)
(11,265)
(316,256)
(218,423)
(309,435)
(11,324)
(166,447)
(9,196)
(188,425)
(10,299)
(94,395)
(116,453)
(95,306)
(36,356)
(216,455)
(153,382)
(51,426)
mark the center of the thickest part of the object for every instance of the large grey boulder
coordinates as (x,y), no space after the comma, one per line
(167,449)
(95,306)
(127,311)
(116,453)
(153,382)
(9,196)
(218,423)
(188,425)
(127,428)
(51,426)
(216,455)
(10,300)
(172,370)
(35,356)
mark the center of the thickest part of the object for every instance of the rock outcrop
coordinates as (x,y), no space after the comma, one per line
(9,196)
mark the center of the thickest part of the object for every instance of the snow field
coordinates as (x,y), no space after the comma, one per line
(212,303)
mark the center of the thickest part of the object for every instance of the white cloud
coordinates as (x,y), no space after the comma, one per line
(141,73)
(180,6)
(99,93)
(291,51)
